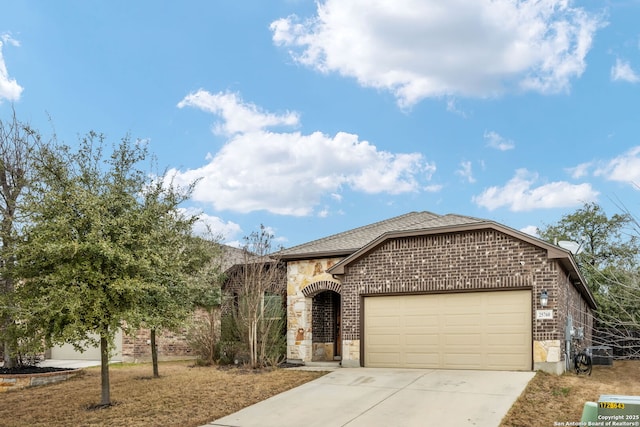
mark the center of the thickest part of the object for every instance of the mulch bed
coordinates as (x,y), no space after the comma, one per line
(30,370)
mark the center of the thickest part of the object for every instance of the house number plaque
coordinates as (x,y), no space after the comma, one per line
(544,314)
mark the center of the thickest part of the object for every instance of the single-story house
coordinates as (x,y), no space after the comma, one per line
(423,290)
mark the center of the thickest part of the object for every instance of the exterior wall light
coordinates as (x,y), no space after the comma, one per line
(544,298)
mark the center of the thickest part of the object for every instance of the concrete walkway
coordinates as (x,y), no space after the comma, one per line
(367,397)
(71,364)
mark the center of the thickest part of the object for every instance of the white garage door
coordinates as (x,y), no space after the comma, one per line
(479,330)
(68,352)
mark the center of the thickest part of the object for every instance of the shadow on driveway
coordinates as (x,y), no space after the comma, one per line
(366,397)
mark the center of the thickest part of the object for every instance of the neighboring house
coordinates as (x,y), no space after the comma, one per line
(136,346)
(428,291)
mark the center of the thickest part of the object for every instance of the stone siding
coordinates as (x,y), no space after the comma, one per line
(305,279)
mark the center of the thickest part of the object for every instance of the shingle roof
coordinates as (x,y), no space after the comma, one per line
(230,256)
(350,241)
(354,243)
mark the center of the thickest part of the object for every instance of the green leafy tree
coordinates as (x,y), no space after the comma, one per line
(604,241)
(183,273)
(18,143)
(92,256)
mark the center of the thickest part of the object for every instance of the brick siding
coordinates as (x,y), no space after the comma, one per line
(171,344)
(324,324)
(571,302)
(464,261)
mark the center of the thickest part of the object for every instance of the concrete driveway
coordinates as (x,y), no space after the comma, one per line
(369,397)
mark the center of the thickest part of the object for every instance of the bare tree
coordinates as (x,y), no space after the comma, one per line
(258,285)
(618,317)
(18,141)
(608,259)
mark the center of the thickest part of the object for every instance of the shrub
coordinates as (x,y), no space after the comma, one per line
(202,336)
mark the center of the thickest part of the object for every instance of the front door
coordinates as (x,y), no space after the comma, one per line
(337,351)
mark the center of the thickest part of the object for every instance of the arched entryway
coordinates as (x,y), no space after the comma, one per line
(325,315)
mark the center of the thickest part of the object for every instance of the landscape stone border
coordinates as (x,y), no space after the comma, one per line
(10,382)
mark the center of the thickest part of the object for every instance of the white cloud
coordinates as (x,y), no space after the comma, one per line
(519,194)
(579,171)
(495,140)
(452,107)
(8,38)
(429,170)
(434,188)
(531,230)
(289,172)
(624,168)
(622,71)
(466,172)
(237,116)
(430,48)
(213,226)
(9,88)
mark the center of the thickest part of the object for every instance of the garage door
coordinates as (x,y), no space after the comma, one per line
(480,330)
(68,352)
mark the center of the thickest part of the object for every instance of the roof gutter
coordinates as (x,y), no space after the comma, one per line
(315,255)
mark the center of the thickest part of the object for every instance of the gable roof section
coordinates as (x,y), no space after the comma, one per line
(348,242)
(231,256)
(454,223)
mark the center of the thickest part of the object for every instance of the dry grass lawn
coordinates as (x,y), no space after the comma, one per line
(552,398)
(184,396)
(192,396)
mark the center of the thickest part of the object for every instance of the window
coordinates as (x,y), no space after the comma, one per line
(272,306)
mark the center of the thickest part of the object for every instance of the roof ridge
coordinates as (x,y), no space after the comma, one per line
(359,230)
(475,218)
(350,231)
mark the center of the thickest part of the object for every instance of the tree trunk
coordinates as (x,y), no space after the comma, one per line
(256,362)
(211,353)
(253,338)
(250,341)
(9,361)
(105,392)
(10,358)
(154,354)
(9,348)
(265,333)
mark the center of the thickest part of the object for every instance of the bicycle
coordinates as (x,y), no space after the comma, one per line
(582,362)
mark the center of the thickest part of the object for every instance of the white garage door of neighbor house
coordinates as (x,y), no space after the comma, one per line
(475,330)
(68,352)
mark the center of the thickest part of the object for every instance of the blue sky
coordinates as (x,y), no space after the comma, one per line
(316,117)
